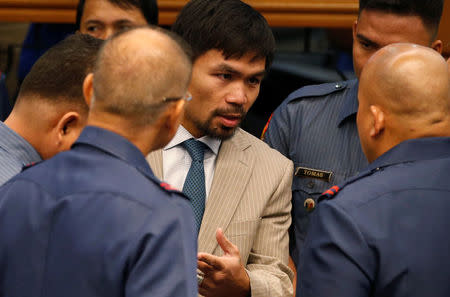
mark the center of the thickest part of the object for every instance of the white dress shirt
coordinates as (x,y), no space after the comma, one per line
(177,161)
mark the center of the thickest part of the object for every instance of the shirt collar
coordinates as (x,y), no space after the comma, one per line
(414,150)
(17,146)
(350,106)
(115,145)
(183,135)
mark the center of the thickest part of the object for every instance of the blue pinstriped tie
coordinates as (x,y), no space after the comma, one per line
(194,185)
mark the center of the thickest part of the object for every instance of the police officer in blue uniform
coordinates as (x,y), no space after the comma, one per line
(95,221)
(315,126)
(385,232)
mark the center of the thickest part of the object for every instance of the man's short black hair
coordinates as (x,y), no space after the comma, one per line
(58,75)
(149,9)
(231,26)
(430,11)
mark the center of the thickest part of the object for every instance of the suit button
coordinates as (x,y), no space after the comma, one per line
(309,204)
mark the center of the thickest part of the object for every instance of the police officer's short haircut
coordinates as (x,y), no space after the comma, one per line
(430,11)
(149,9)
(132,96)
(230,26)
(58,75)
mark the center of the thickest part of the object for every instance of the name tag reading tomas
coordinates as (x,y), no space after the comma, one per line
(314,173)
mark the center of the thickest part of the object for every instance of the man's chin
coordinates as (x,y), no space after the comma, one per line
(222,133)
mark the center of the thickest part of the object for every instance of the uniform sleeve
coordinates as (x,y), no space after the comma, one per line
(276,133)
(336,259)
(166,261)
(267,263)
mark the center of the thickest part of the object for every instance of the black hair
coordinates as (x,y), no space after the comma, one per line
(231,26)
(149,9)
(430,11)
(58,75)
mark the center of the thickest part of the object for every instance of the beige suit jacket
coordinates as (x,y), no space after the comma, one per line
(250,199)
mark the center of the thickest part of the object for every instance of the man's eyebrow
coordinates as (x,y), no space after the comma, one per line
(366,40)
(123,21)
(229,69)
(94,21)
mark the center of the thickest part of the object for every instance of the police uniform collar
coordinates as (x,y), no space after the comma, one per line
(116,145)
(414,150)
(350,107)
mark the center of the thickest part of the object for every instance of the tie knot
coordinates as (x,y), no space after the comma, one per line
(195,148)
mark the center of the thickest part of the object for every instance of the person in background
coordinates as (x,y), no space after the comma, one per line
(385,232)
(315,126)
(94,221)
(238,186)
(50,111)
(103,18)
(99,18)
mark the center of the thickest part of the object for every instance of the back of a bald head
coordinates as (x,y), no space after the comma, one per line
(137,69)
(411,83)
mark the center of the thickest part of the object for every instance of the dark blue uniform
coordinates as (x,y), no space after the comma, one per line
(94,221)
(315,127)
(386,232)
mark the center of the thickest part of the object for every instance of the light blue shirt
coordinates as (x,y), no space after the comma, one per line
(15,153)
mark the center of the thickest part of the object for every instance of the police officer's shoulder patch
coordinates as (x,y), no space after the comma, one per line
(317,90)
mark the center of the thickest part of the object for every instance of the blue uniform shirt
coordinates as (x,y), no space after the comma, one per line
(315,127)
(94,221)
(386,232)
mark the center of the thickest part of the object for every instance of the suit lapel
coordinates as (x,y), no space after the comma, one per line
(156,163)
(232,172)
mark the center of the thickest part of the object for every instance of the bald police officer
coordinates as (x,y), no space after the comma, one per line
(95,221)
(385,232)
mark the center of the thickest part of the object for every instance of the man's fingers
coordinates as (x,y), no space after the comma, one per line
(204,267)
(227,246)
(215,262)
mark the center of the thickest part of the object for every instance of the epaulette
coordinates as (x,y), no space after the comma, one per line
(331,192)
(317,90)
(30,165)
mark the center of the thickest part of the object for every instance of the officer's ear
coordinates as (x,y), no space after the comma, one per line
(168,122)
(88,89)
(68,129)
(174,113)
(378,121)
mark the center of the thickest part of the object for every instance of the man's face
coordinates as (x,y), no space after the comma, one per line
(102,19)
(223,90)
(375,29)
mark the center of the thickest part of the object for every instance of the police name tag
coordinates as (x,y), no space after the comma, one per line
(314,173)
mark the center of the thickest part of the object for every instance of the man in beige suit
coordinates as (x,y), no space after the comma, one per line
(243,225)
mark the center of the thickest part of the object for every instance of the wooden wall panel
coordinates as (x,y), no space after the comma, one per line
(279,13)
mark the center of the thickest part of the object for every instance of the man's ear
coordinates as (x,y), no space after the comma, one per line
(88,88)
(438,46)
(354,27)
(378,121)
(68,129)
(174,114)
